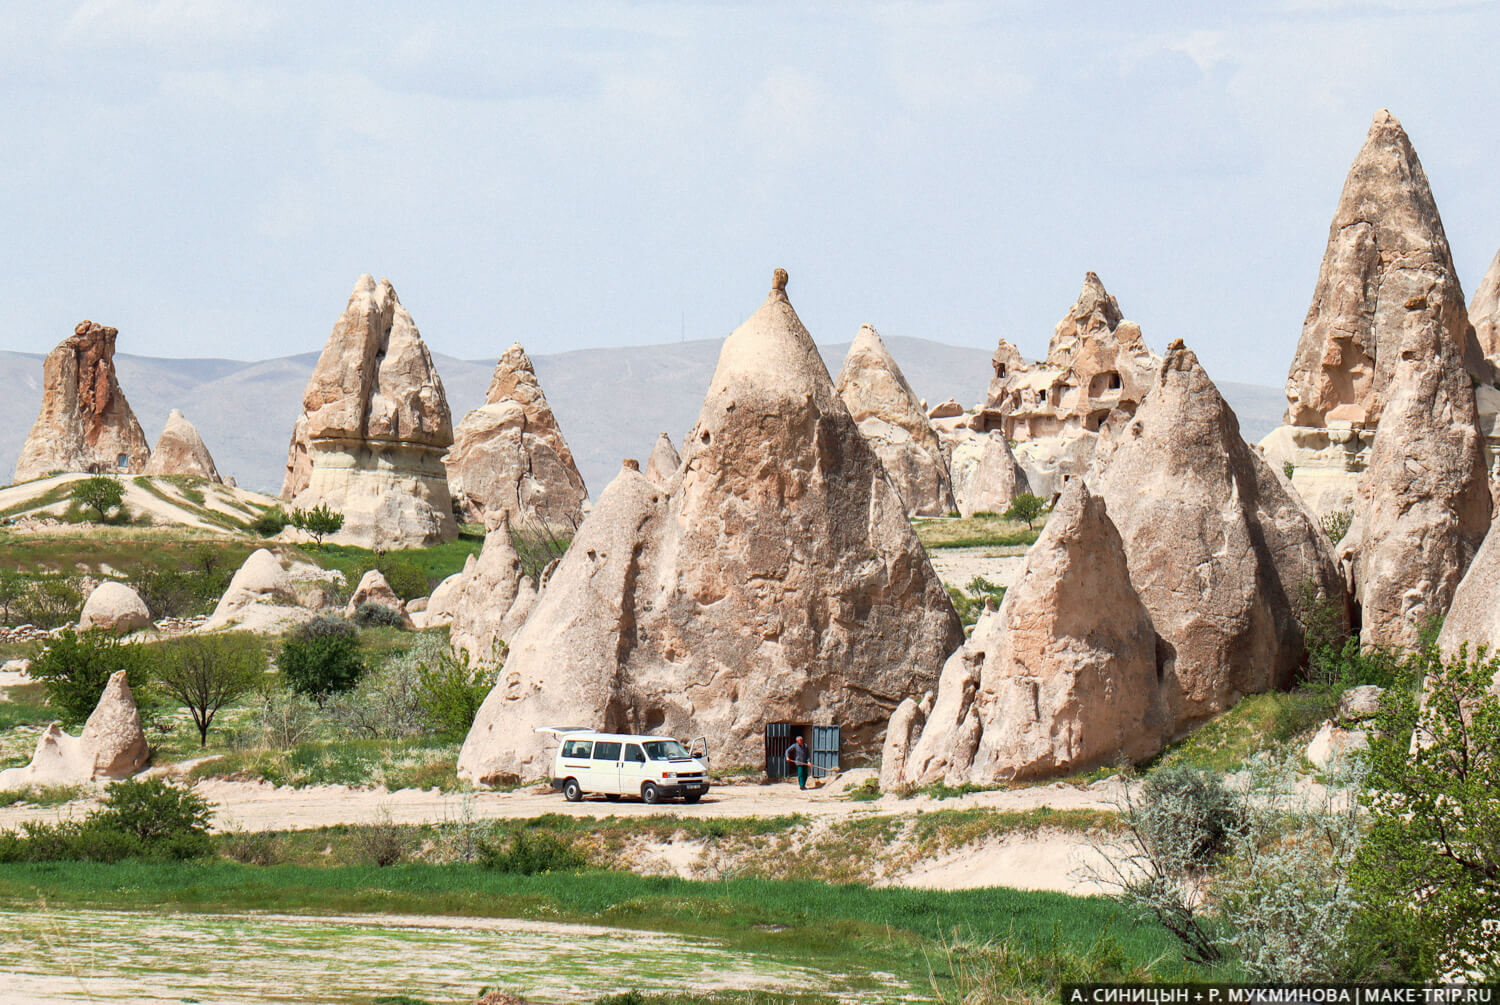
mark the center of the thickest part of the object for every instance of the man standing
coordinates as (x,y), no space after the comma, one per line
(797,754)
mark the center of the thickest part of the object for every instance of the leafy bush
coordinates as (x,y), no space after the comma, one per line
(322,658)
(13,590)
(450,691)
(1026,507)
(207,672)
(384,842)
(1336,524)
(1335,659)
(50,601)
(384,703)
(407,580)
(528,853)
(1192,811)
(270,522)
(320,521)
(180,593)
(75,667)
(100,494)
(138,819)
(285,719)
(970,601)
(373,615)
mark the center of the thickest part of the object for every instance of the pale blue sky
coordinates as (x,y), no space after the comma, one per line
(210,176)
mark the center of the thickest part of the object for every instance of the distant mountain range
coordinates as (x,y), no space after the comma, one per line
(611,403)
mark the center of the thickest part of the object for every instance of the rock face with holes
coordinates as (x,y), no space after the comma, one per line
(891,417)
(181,451)
(1219,548)
(1061,677)
(491,602)
(112,745)
(774,578)
(114,607)
(509,453)
(85,423)
(373,430)
(1386,248)
(664,461)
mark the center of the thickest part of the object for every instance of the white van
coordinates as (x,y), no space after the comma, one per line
(618,764)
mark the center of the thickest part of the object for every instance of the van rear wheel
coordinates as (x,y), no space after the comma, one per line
(572,791)
(650,793)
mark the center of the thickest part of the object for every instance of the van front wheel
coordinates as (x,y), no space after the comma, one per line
(650,793)
(572,791)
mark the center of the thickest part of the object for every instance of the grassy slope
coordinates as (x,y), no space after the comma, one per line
(975,532)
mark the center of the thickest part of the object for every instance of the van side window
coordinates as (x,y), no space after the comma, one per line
(633,752)
(577,748)
(605,751)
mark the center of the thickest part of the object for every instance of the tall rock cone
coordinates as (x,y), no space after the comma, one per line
(1094,313)
(1220,550)
(664,461)
(1423,505)
(510,454)
(373,429)
(1484,312)
(181,451)
(891,417)
(1385,245)
(1062,677)
(493,598)
(775,578)
(992,483)
(85,423)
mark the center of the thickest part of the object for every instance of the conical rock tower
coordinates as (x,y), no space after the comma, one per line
(181,451)
(775,578)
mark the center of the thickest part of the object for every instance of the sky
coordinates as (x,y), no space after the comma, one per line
(211,176)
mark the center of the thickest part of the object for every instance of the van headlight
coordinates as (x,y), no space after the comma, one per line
(668,774)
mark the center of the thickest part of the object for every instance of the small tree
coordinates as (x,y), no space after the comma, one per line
(450,691)
(320,659)
(75,667)
(320,521)
(13,589)
(1026,507)
(100,494)
(207,672)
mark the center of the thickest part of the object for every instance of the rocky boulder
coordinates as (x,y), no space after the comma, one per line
(1061,677)
(994,481)
(181,451)
(374,589)
(261,597)
(946,409)
(775,578)
(1219,549)
(85,423)
(113,745)
(114,607)
(891,417)
(374,426)
(509,454)
(664,461)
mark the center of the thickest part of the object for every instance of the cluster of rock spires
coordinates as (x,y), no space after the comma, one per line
(112,745)
(774,576)
(87,425)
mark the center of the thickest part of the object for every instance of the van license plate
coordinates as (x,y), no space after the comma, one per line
(692,785)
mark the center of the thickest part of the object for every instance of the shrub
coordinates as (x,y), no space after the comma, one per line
(285,719)
(138,819)
(1287,467)
(373,615)
(270,522)
(318,665)
(450,691)
(153,810)
(383,842)
(1336,524)
(407,580)
(1026,507)
(178,593)
(51,601)
(100,494)
(528,853)
(207,672)
(75,667)
(251,847)
(970,601)
(320,521)
(384,703)
(13,590)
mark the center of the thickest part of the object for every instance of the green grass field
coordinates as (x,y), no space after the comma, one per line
(975,532)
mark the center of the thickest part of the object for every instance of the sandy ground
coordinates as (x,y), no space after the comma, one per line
(1063,861)
(138,500)
(958,566)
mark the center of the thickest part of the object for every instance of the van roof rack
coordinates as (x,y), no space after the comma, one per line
(559,730)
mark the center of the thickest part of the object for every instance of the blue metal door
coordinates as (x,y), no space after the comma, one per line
(825,750)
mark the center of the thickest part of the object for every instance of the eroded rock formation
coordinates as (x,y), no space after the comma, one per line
(374,588)
(181,451)
(509,454)
(373,429)
(491,602)
(1484,312)
(993,481)
(1061,677)
(114,607)
(664,461)
(775,578)
(891,417)
(261,597)
(85,423)
(112,745)
(1219,549)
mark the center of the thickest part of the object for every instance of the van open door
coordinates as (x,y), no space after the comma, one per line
(699,748)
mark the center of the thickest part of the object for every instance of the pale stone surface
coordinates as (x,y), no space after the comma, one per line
(664,461)
(1326,463)
(1484,312)
(181,451)
(261,597)
(1333,743)
(1474,614)
(1423,505)
(373,430)
(85,422)
(995,480)
(1359,703)
(493,599)
(946,409)
(1061,677)
(444,596)
(892,419)
(1219,547)
(775,578)
(112,745)
(114,607)
(510,454)
(373,588)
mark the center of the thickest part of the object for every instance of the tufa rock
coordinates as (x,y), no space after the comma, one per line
(510,454)
(374,589)
(946,409)
(893,421)
(1061,677)
(85,423)
(1423,505)
(1219,549)
(492,600)
(994,481)
(1484,312)
(180,451)
(373,429)
(113,745)
(775,578)
(260,598)
(663,462)
(114,607)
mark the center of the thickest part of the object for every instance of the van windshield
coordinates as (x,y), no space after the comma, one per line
(666,750)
